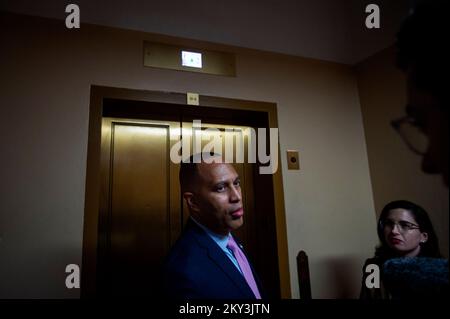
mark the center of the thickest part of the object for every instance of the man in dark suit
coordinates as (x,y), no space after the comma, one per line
(206,262)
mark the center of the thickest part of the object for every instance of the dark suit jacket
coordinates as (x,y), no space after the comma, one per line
(197,268)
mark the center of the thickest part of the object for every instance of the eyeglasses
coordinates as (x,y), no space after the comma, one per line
(403,226)
(411,134)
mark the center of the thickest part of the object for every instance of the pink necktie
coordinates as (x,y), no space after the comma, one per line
(245,267)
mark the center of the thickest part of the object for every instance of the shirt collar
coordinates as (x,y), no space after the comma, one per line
(221,240)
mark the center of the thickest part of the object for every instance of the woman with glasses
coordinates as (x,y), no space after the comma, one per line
(404,230)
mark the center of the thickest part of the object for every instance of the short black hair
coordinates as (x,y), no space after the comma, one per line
(422,49)
(428,249)
(188,169)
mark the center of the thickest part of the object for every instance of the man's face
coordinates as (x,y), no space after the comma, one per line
(433,120)
(216,201)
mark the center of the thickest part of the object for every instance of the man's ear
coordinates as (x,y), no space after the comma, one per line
(191,201)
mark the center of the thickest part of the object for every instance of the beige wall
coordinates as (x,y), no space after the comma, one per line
(395,170)
(45,79)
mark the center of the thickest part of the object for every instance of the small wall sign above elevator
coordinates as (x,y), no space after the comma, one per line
(167,56)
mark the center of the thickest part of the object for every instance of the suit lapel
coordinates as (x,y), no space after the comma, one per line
(222,261)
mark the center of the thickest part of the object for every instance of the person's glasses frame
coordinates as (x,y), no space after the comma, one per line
(400,124)
(403,226)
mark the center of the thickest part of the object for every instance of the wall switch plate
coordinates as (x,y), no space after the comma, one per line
(193,99)
(293,160)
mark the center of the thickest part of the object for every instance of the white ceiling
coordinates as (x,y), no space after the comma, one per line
(332,30)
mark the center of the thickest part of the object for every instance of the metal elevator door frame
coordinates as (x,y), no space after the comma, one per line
(270,235)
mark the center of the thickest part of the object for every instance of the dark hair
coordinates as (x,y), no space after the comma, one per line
(421,46)
(188,169)
(428,249)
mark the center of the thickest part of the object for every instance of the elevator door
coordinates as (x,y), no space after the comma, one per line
(142,212)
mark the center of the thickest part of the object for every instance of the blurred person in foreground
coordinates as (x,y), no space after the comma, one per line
(423,55)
